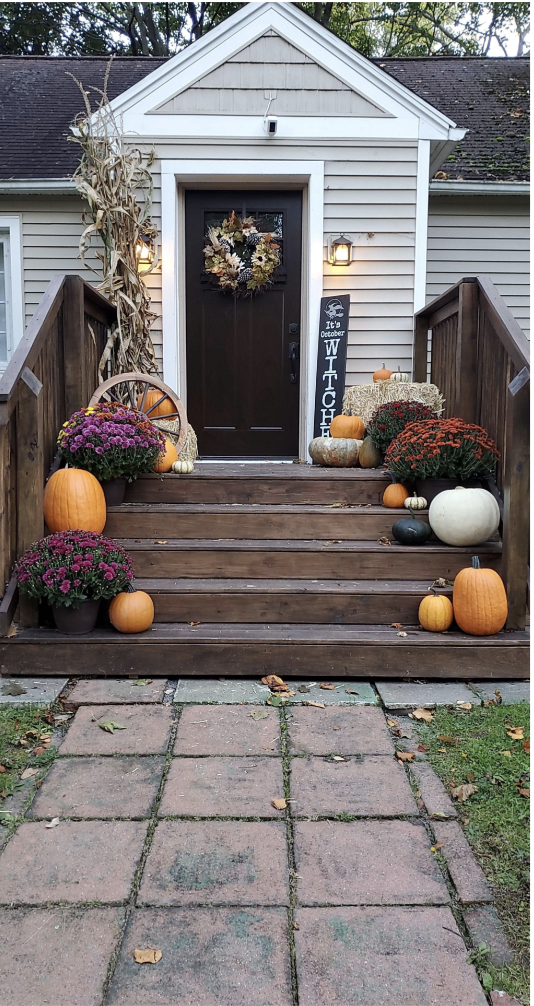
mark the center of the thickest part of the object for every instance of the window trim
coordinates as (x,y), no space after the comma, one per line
(15,292)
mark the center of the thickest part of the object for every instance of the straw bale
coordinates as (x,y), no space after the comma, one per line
(363,399)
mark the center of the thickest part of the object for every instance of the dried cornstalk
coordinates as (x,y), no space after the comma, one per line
(114,179)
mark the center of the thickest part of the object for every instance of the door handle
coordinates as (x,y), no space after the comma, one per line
(294,348)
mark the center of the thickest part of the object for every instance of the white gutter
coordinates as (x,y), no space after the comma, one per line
(460,188)
(37,186)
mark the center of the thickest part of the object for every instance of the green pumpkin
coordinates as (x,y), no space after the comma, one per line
(411,531)
(370,455)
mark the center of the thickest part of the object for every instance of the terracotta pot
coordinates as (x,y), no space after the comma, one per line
(430,488)
(114,491)
(77,621)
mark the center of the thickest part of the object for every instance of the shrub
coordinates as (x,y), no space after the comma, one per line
(65,569)
(111,441)
(441,448)
(390,419)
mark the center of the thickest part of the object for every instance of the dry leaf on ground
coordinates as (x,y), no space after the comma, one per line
(3,768)
(327,686)
(195,623)
(338,758)
(438,845)
(526,745)
(405,755)
(53,823)
(384,541)
(446,739)
(149,956)
(41,750)
(463,792)
(515,733)
(275,683)
(13,688)
(392,723)
(318,705)
(110,726)
(464,705)
(279,803)
(141,682)
(524,792)
(259,714)
(29,772)
(351,691)
(507,754)
(423,714)
(402,633)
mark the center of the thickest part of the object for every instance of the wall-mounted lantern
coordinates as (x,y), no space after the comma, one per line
(340,250)
(144,252)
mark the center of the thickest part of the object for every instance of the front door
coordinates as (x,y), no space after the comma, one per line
(242,353)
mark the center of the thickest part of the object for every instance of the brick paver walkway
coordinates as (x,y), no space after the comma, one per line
(168,839)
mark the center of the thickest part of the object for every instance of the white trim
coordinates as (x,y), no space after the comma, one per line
(250,127)
(246,172)
(13,224)
(421,225)
(37,186)
(450,188)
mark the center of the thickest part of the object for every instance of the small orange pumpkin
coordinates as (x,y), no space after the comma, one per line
(436,613)
(167,459)
(383,374)
(394,495)
(350,427)
(479,600)
(74,501)
(152,396)
(131,611)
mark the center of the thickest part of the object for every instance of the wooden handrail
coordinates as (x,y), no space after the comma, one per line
(479,358)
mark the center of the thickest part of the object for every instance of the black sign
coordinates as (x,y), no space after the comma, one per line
(331,362)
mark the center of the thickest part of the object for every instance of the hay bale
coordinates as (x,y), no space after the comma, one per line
(363,399)
(171,429)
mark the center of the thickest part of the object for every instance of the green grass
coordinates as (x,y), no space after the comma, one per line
(495,819)
(14,757)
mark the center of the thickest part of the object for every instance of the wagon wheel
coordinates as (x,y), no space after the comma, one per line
(131,387)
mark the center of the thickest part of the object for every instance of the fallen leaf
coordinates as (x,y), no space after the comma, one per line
(423,714)
(351,691)
(463,792)
(405,755)
(422,747)
(296,926)
(442,750)
(392,723)
(507,754)
(110,726)
(396,625)
(279,803)
(516,733)
(442,582)
(149,956)
(141,682)
(304,689)
(470,777)
(275,683)
(3,768)
(13,688)
(524,792)
(318,705)
(384,541)
(446,739)
(498,697)
(439,815)
(53,823)
(464,705)
(195,623)
(259,714)
(327,686)
(438,845)
(29,772)
(420,803)
(277,700)
(161,542)
(338,758)
(402,633)
(39,751)
(12,631)
(526,745)
(61,717)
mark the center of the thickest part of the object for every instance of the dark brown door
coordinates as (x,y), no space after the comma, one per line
(242,375)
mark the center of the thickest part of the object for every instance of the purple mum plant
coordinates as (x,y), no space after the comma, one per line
(111,441)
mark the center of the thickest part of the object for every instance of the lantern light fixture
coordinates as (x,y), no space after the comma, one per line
(144,251)
(340,250)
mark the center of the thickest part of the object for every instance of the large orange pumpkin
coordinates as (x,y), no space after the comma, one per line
(479,600)
(436,613)
(394,495)
(349,427)
(74,501)
(152,396)
(383,374)
(167,459)
(131,611)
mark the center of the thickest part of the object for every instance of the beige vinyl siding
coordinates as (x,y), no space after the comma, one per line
(481,235)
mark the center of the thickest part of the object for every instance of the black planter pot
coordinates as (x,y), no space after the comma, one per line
(114,491)
(430,488)
(78,621)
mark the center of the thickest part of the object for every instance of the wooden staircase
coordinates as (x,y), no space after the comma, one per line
(274,568)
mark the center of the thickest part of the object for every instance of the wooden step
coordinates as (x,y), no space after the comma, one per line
(243,650)
(362,522)
(262,483)
(302,559)
(338,602)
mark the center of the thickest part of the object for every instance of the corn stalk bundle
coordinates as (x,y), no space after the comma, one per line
(115,180)
(363,399)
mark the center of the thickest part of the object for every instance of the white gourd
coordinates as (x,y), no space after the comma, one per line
(400,377)
(182,467)
(415,503)
(464,516)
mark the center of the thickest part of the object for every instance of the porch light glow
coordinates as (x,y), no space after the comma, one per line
(341,251)
(144,251)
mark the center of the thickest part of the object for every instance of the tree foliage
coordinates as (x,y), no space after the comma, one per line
(161,29)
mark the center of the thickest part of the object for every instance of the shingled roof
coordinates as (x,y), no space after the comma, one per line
(489,96)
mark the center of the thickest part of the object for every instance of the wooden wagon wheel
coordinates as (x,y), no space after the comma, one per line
(136,386)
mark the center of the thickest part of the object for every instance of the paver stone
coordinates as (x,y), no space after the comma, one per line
(372,786)
(99,788)
(30,691)
(339,730)
(228,730)
(468,877)
(199,690)
(146,731)
(403,696)
(344,693)
(509,691)
(111,691)
(222,787)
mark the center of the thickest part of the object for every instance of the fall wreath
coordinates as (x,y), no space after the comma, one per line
(241,256)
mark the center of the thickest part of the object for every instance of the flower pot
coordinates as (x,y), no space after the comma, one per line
(430,488)
(114,491)
(77,621)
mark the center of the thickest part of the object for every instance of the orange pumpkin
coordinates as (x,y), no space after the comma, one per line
(436,613)
(394,495)
(479,600)
(349,427)
(167,459)
(383,374)
(131,611)
(74,501)
(152,396)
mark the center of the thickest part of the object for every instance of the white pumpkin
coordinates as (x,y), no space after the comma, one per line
(415,503)
(464,516)
(400,377)
(182,467)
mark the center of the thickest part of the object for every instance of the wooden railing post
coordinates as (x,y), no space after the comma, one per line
(77,391)
(515,538)
(30,474)
(465,401)
(420,348)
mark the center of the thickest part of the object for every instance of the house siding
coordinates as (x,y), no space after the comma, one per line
(481,235)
